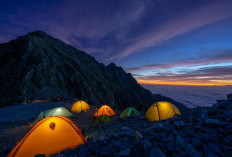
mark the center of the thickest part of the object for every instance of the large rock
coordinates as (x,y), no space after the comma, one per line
(37,65)
(187,147)
(156,152)
(214,122)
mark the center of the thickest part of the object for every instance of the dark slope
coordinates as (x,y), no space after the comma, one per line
(37,65)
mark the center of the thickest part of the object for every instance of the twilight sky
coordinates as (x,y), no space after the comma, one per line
(186,42)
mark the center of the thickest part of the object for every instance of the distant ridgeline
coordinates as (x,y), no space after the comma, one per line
(38,66)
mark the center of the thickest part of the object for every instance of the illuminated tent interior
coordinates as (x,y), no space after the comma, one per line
(161,111)
(104,110)
(130,111)
(58,111)
(50,135)
(103,118)
(80,106)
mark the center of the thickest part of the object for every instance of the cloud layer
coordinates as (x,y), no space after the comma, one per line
(220,57)
(204,76)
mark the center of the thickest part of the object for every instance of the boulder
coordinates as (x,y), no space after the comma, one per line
(228,127)
(190,150)
(117,144)
(196,142)
(216,149)
(125,152)
(141,148)
(138,135)
(214,122)
(207,152)
(156,152)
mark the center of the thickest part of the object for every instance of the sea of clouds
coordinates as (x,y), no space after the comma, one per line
(192,96)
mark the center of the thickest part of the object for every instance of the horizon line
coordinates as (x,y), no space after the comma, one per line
(150,82)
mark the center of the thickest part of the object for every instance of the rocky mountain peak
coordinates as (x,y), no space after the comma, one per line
(35,36)
(37,66)
(37,33)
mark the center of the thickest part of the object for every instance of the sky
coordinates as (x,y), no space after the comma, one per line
(181,42)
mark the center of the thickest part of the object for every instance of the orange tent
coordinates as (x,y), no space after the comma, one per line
(104,110)
(49,136)
(80,106)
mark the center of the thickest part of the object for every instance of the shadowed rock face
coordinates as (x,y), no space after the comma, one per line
(37,65)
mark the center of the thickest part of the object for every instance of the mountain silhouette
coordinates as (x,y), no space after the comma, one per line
(36,66)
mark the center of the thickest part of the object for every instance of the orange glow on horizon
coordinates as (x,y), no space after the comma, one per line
(156,82)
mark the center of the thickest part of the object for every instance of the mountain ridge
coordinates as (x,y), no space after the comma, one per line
(39,63)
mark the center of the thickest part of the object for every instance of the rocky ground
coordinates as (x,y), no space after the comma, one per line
(204,131)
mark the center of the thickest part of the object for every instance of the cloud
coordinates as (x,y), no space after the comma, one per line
(95,20)
(94,50)
(204,76)
(221,56)
(200,73)
(216,11)
(68,20)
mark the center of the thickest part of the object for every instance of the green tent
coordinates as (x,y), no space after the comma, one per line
(58,111)
(129,112)
(103,118)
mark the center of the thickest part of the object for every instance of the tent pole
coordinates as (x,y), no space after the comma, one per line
(158,110)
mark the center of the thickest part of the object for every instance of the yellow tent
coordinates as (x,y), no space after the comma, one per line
(50,135)
(161,111)
(80,106)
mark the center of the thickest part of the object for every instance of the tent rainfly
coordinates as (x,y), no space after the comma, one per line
(58,111)
(130,111)
(80,106)
(49,136)
(161,111)
(104,110)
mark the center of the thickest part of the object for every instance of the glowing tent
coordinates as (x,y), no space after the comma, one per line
(50,135)
(58,111)
(80,106)
(161,111)
(104,110)
(130,111)
(103,118)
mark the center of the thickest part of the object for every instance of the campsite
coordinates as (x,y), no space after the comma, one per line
(116,78)
(35,127)
(117,134)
